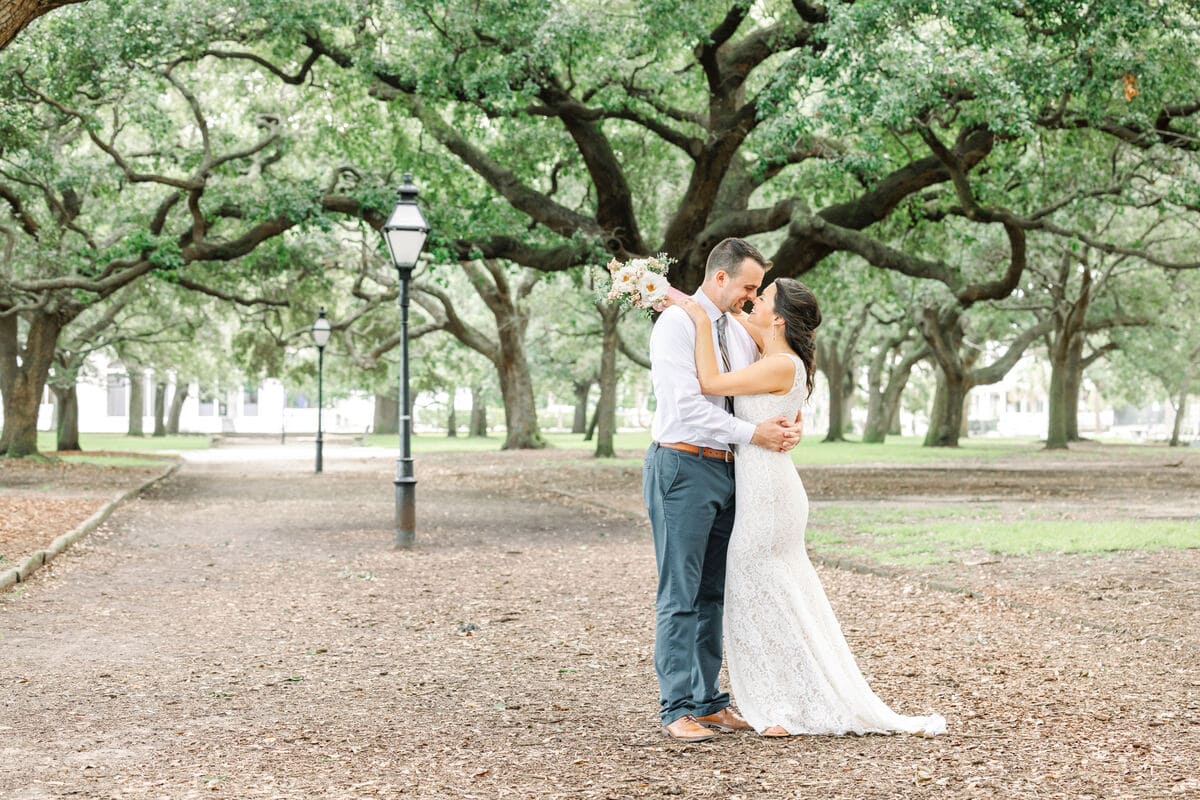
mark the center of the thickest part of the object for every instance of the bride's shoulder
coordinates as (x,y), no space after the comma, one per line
(799,370)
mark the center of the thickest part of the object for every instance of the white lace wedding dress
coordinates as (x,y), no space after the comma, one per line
(789,664)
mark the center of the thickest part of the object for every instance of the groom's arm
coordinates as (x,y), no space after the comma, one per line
(673,359)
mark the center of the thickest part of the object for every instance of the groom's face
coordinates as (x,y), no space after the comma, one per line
(741,287)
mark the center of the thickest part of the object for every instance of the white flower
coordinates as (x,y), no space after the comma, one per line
(625,280)
(652,287)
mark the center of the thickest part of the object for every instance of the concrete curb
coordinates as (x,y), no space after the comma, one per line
(60,545)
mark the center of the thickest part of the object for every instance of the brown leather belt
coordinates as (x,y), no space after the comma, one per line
(697,450)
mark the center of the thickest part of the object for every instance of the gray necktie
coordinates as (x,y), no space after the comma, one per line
(723,346)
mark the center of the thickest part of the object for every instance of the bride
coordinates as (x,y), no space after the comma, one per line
(790,667)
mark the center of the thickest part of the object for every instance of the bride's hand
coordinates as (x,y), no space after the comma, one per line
(694,310)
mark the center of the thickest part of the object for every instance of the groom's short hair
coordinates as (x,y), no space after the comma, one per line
(729,254)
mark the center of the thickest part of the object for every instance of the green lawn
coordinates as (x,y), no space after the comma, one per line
(138,460)
(119,442)
(940,534)
(811,450)
(896,450)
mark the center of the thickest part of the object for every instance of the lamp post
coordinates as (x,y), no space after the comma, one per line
(320,334)
(405,232)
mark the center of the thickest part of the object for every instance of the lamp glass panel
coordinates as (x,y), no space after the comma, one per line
(405,246)
(320,332)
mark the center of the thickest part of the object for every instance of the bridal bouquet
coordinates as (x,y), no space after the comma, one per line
(641,282)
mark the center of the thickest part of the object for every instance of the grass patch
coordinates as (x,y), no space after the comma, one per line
(437,443)
(147,460)
(866,518)
(907,450)
(922,536)
(121,443)
(1029,536)
(897,450)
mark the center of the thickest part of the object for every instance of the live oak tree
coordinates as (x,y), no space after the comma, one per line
(551,136)
(505,290)
(118,170)
(837,352)
(16,14)
(1163,359)
(670,126)
(894,349)
(1089,294)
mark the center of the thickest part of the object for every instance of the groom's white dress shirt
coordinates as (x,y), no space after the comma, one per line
(683,414)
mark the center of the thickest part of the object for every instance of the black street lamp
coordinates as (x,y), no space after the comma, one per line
(405,233)
(320,334)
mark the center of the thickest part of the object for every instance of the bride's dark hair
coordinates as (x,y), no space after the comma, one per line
(796,303)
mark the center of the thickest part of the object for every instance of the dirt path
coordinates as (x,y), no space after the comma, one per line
(245,631)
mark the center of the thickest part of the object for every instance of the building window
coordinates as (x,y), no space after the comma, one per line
(118,401)
(208,405)
(250,401)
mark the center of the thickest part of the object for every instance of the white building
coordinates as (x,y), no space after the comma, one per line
(266,408)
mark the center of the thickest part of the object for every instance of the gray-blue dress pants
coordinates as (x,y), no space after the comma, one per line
(690,502)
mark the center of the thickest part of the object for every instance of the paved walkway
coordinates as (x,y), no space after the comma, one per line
(245,630)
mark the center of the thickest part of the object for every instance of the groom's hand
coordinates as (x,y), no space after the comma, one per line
(779,434)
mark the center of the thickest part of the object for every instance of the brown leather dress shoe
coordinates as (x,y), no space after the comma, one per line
(686,729)
(726,721)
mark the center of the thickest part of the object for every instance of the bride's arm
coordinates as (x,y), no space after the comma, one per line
(755,333)
(762,377)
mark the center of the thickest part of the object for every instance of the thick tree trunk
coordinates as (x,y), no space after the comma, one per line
(883,402)
(452,418)
(964,425)
(942,330)
(969,360)
(522,431)
(66,423)
(516,387)
(1181,409)
(583,390)
(1073,380)
(160,408)
(177,398)
(22,384)
(1061,412)
(946,419)
(875,429)
(478,426)
(591,429)
(507,351)
(606,406)
(16,14)
(835,358)
(848,389)
(835,376)
(387,414)
(137,400)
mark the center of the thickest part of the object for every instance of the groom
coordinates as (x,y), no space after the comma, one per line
(687,483)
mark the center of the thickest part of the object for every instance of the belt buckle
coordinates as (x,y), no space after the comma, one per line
(728,459)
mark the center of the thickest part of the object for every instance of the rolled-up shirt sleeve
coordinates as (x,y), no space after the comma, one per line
(681,406)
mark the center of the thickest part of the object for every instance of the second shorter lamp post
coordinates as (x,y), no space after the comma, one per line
(405,232)
(320,334)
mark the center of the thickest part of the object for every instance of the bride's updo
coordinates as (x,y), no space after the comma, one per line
(796,303)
